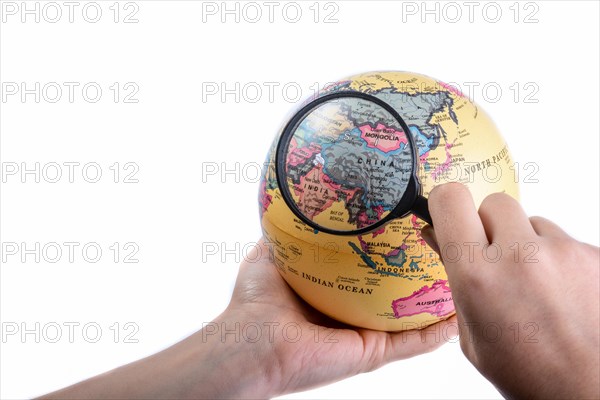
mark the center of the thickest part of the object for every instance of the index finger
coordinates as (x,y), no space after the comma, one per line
(455,220)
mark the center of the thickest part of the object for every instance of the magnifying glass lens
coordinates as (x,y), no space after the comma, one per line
(348,163)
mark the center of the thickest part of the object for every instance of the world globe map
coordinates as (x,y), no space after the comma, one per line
(389,278)
(346,164)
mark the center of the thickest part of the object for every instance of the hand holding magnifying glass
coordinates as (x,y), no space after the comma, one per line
(346,164)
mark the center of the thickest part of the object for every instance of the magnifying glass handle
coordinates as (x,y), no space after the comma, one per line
(421,209)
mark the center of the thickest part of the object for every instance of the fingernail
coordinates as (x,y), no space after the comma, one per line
(428,235)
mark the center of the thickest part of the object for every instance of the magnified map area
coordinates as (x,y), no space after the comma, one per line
(348,164)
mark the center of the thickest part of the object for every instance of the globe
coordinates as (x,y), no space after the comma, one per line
(386,279)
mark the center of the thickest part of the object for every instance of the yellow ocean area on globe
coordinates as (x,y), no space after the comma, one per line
(388,279)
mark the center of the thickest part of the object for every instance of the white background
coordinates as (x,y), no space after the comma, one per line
(177,130)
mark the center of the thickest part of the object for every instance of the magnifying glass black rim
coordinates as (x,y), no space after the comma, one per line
(412,189)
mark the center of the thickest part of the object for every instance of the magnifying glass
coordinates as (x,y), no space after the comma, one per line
(346,164)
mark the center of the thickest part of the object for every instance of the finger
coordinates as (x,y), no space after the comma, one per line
(258,260)
(454,214)
(545,227)
(411,343)
(455,222)
(428,235)
(503,218)
(258,278)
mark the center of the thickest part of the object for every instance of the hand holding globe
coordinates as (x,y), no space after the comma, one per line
(343,177)
(338,232)
(293,347)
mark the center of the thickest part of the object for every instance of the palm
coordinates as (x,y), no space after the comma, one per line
(310,348)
